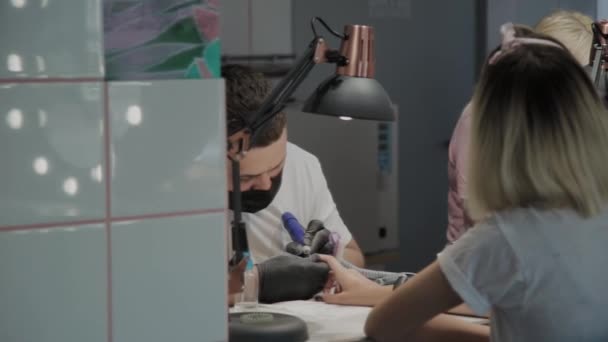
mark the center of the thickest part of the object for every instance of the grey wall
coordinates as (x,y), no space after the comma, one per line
(602,9)
(256,27)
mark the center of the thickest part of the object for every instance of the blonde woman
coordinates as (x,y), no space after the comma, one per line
(573,29)
(538,190)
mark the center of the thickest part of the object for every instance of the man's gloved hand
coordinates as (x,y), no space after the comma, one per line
(317,240)
(322,243)
(288,277)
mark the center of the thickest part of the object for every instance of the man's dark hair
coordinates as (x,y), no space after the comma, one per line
(246,90)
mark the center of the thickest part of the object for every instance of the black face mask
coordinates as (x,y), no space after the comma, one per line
(253,201)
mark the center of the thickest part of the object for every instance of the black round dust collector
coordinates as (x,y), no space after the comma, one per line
(266,327)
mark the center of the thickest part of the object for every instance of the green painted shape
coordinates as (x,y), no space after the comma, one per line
(212,56)
(179,61)
(193,71)
(183,31)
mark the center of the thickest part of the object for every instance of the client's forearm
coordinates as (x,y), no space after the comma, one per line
(438,329)
(464,309)
(380,277)
(354,256)
(447,328)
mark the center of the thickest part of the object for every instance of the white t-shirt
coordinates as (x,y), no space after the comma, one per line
(305,194)
(541,272)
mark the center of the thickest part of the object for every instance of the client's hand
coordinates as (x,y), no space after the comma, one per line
(288,277)
(352,288)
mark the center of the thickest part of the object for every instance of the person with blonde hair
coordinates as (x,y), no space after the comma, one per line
(573,29)
(538,192)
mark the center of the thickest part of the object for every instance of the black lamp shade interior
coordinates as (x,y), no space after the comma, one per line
(354,97)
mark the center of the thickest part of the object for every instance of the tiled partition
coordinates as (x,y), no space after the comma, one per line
(112,194)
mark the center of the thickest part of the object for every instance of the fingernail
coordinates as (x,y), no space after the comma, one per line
(314,257)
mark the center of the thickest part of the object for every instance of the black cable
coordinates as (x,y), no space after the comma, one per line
(329,29)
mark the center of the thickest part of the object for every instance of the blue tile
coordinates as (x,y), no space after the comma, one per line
(51,147)
(50,38)
(170,279)
(168,146)
(53,286)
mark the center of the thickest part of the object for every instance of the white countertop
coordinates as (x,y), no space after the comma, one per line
(335,323)
(326,322)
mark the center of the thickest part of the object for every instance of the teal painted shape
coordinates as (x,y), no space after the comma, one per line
(192,71)
(212,56)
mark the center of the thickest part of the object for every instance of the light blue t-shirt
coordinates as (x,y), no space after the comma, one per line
(543,274)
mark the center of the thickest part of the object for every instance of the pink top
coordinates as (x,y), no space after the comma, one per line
(458,220)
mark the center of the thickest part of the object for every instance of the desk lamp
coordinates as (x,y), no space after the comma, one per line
(350,92)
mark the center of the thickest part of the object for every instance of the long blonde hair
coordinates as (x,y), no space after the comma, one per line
(571,28)
(539,135)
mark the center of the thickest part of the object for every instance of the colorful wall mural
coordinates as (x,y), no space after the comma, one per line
(161,39)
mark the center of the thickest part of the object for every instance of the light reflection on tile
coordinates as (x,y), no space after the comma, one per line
(157,145)
(32,49)
(49,145)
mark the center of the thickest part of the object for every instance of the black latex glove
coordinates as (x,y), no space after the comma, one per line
(317,240)
(322,243)
(314,227)
(287,277)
